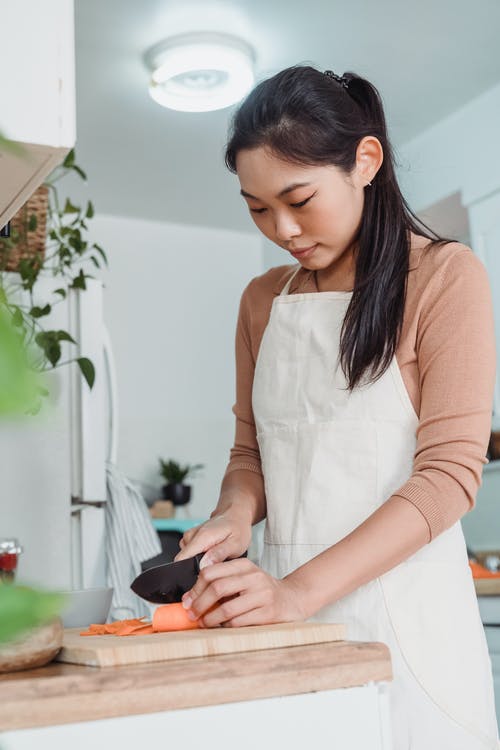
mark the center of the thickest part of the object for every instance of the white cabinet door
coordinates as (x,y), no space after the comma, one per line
(348,719)
(37,60)
(493,638)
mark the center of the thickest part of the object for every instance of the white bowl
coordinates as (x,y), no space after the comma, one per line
(86,606)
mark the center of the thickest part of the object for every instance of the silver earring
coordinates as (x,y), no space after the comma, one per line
(368,184)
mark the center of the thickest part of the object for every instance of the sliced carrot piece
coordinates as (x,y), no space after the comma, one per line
(111,628)
(139,630)
(172,617)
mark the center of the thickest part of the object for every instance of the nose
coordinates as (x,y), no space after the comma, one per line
(286,227)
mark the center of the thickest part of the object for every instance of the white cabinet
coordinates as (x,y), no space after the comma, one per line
(493,638)
(37,64)
(347,718)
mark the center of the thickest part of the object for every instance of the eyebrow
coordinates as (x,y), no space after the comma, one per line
(283,192)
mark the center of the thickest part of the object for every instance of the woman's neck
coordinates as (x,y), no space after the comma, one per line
(338,277)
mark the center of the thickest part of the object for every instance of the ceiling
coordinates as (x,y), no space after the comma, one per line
(427,59)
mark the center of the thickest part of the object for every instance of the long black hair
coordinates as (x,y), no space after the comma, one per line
(306,117)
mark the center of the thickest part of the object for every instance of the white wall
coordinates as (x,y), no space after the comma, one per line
(171,303)
(459,153)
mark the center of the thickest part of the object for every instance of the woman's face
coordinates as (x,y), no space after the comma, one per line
(300,207)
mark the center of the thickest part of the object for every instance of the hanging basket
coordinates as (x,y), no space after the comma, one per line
(28,232)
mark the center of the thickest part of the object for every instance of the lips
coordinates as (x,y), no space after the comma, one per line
(303,252)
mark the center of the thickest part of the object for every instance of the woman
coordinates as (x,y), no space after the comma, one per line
(365,378)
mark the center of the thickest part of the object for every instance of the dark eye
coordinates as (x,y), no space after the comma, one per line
(258,210)
(302,203)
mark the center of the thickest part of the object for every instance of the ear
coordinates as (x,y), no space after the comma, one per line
(369,157)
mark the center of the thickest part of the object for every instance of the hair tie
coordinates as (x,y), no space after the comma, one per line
(340,79)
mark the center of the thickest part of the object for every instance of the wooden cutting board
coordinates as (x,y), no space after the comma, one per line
(113,650)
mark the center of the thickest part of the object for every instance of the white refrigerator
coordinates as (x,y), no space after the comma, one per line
(52,466)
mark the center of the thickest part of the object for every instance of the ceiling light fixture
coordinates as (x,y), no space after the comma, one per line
(201,71)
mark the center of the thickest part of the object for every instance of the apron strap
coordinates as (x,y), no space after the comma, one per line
(287,285)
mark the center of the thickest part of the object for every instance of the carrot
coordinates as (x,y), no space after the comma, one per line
(172,617)
(112,628)
(166,618)
(479,571)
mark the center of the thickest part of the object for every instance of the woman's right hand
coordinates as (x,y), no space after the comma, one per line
(224,536)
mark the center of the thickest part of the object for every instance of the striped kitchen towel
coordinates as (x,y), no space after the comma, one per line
(130,539)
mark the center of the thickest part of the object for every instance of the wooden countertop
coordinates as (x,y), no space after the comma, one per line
(65,693)
(487,586)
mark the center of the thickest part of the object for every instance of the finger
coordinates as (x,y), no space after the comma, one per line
(245,609)
(199,540)
(212,574)
(218,553)
(190,533)
(185,538)
(215,592)
(257,616)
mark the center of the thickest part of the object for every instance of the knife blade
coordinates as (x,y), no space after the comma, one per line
(164,584)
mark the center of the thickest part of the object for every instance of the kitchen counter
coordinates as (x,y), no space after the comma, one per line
(63,693)
(487,586)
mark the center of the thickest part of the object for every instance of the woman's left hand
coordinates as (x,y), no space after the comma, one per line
(238,592)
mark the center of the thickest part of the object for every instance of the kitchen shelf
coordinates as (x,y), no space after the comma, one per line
(176,524)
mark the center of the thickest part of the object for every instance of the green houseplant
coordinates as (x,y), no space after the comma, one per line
(26,351)
(65,258)
(25,612)
(174,475)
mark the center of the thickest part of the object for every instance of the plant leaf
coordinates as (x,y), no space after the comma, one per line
(80,172)
(87,370)
(32,223)
(49,343)
(101,252)
(24,608)
(61,291)
(17,318)
(79,281)
(39,312)
(90,210)
(69,208)
(18,382)
(64,336)
(69,159)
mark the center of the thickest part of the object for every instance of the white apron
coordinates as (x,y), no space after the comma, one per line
(329,459)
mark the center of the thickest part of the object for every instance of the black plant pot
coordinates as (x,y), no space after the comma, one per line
(179,494)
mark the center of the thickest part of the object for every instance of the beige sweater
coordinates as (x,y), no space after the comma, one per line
(446,355)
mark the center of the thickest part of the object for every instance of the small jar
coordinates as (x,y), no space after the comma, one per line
(10,549)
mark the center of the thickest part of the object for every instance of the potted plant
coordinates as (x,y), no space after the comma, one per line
(174,475)
(30,625)
(47,239)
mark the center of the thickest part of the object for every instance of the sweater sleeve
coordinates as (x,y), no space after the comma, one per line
(456,359)
(245,451)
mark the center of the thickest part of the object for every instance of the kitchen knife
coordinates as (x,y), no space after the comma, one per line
(164,584)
